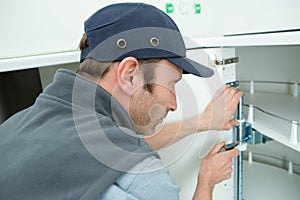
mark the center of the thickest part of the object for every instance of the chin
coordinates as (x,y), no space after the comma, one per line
(146,130)
(151,128)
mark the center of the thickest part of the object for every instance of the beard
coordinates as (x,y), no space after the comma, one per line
(146,112)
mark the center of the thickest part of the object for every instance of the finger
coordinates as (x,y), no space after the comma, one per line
(228,173)
(228,169)
(232,153)
(217,147)
(222,90)
(233,96)
(234,123)
(227,125)
(231,92)
(238,94)
(236,99)
(226,86)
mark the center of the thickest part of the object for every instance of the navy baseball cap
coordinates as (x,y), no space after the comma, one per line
(139,30)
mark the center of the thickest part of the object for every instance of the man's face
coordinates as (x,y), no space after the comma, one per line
(148,109)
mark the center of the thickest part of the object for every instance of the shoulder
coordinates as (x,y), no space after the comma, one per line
(146,180)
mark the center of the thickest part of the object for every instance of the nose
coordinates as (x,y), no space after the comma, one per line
(172,106)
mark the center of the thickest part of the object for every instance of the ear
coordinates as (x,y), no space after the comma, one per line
(127,74)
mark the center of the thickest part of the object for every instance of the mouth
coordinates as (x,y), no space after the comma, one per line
(160,122)
(163,119)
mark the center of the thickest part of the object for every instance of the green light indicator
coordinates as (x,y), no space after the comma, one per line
(169,8)
(197,7)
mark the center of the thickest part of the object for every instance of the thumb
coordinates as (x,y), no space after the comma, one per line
(232,153)
(217,148)
(234,123)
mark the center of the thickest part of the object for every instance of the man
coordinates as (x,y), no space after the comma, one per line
(84,136)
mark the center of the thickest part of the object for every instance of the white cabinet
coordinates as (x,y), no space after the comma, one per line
(33,27)
(272,63)
(218,18)
(38,34)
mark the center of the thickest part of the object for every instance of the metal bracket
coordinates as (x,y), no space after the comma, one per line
(233,84)
(252,136)
(226,61)
(257,138)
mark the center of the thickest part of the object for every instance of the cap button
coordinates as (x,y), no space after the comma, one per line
(154,41)
(121,43)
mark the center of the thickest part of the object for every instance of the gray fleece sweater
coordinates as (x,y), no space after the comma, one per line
(72,143)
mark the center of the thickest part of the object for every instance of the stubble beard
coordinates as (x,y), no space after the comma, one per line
(146,113)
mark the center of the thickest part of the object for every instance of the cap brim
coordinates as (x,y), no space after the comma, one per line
(191,67)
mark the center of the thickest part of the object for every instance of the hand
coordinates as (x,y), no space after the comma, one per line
(216,166)
(218,113)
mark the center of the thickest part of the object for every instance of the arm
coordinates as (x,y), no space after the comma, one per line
(216,116)
(215,167)
(173,132)
(149,179)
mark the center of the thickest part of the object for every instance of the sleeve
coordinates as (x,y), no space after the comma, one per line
(147,180)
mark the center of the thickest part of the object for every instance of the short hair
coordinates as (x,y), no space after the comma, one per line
(93,69)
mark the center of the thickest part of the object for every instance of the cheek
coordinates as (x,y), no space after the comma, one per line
(157,111)
(147,109)
(165,96)
(139,107)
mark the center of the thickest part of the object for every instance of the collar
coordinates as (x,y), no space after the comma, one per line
(79,91)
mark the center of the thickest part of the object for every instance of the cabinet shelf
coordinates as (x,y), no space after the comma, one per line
(269,181)
(28,62)
(270,39)
(275,115)
(265,39)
